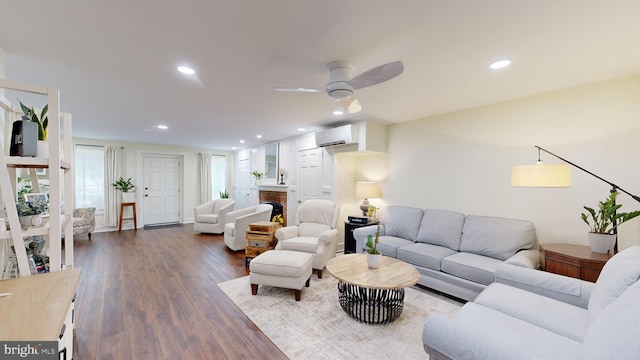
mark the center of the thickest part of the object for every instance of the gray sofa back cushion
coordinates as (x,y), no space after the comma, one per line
(402,221)
(441,227)
(498,238)
(620,272)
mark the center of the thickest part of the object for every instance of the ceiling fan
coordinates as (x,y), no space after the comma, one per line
(341,86)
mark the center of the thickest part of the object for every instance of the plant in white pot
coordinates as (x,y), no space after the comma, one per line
(128,189)
(29,114)
(373,255)
(30,211)
(603,223)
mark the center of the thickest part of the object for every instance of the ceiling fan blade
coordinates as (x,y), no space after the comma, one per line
(298,89)
(351,105)
(377,75)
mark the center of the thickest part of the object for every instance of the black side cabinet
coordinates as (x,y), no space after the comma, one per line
(349,240)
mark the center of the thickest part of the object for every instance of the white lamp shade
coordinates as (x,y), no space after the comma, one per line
(541,175)
(367,190)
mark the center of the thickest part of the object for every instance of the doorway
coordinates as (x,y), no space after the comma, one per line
(161,189)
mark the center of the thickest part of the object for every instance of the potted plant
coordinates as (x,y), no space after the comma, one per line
(224,194)
(257,175)
(373,255)
(29,114)
(30,211)
(128,189)
(604,221)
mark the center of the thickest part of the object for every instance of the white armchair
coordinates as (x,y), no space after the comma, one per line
(315,233)
(210,217)
(238,222)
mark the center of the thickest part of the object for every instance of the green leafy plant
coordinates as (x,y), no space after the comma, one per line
(606,216)
(42,121)
(257,174)
(224,194)
(31,207)
(125,185)
(372,243)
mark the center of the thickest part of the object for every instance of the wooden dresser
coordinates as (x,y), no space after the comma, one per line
(576,261)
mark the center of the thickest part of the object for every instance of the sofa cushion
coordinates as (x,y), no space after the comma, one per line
(477,332)
(615,333)
(425,255)
(441,227)
(301,244)
(556,316)
(498,238)
(473,267)
(402,221)
(207,218)
(388,245)
(620,272)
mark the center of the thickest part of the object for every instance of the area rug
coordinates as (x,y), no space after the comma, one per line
(317,328)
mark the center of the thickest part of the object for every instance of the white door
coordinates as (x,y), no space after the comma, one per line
(309,174)
(161,191)
(243,190)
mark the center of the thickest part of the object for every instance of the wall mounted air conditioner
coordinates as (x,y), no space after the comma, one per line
(341,135)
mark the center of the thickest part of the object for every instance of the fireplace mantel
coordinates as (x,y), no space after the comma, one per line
(273,187)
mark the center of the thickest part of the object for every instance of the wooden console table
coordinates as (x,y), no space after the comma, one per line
(576,261)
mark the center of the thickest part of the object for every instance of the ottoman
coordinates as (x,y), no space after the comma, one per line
(281,268)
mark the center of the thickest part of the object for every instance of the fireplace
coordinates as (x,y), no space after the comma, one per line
(278,197)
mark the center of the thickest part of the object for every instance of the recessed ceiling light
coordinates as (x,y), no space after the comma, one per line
(241,141)
(338,112)
(163,127)
(259,136)
(301,129)
(233,148)
(186,70)
(500,64)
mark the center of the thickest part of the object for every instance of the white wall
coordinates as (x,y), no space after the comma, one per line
(461,161)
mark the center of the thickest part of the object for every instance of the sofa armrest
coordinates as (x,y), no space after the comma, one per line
(562,288)
(525,258)
(328,236)
(286,232)
(360,235)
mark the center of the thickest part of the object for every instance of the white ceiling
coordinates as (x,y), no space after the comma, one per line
(114,61)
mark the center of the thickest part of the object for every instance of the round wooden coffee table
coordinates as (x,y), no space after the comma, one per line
(372,296)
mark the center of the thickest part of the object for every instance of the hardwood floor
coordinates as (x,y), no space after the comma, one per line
(152,294)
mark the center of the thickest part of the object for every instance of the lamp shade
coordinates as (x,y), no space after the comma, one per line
(367,190)
(541,175)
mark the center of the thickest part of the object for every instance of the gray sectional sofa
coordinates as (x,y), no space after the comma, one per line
(530,314)
(454,253)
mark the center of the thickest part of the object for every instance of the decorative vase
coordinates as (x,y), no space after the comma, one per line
(30,220)
(128,197)
(373,260)
(43,149)
(602,243)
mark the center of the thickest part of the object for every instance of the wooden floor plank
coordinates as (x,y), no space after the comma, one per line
(152,294)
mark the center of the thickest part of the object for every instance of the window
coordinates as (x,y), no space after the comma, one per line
(218,175)
(89,169)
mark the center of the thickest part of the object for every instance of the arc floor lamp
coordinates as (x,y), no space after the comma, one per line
(555,175)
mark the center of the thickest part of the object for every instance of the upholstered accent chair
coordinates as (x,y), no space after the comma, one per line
(84,221)
(315,233)
(238,222)
(210,217)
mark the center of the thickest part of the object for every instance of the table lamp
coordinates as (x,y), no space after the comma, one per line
(367,190)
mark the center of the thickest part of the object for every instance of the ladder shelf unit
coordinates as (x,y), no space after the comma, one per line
(60,175)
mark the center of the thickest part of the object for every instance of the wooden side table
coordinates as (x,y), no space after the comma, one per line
(261,237)
(576,261)
(122,218)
